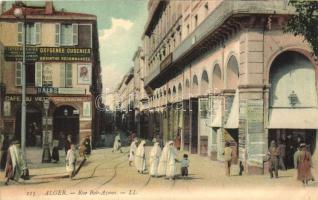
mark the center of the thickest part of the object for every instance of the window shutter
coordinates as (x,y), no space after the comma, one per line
(37,33)
(68,75)
(20,29)
(18,73)
(57,34)
(62,75)
(75,34)
(38,74)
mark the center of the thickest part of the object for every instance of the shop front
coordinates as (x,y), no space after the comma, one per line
(65,116)
(293,113)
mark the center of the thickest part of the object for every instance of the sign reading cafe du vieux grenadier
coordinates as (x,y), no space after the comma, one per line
(44,54)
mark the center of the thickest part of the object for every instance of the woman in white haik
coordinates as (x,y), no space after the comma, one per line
(171,161)
(163,160)
(132,152)
(154,159)
(140,160)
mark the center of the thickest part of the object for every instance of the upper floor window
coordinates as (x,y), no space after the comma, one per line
(195,20)
(206,7)
(66,74)
(33,33)
(66,34)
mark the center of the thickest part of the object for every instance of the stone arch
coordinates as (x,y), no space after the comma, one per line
(195,85)
(217,80)
(290,73)
(302,50)
(204,85)
(232,73)
(174,91)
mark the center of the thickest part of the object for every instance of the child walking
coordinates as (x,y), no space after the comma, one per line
(184,166)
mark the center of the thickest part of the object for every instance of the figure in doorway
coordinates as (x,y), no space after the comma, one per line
(289,151)
(282,155)
(228,156)
(273,153)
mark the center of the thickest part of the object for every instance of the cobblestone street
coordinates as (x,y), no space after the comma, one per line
(108,174)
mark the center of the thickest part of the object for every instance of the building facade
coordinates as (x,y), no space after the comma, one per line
(62,67)
(125,103)
(224,71)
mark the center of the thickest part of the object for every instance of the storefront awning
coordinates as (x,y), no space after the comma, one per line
(233,119)
(217,121)
(293,118)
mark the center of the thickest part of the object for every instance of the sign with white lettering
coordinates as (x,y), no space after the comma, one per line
(66,54)
(47,90)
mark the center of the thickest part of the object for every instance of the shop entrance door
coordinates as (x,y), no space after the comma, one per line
(66,122)
(289,139)
(194,126)
(33,126)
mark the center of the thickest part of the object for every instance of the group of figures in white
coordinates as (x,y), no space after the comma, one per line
(161,162)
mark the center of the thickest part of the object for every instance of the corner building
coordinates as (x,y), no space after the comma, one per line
(224,71)
(62,66)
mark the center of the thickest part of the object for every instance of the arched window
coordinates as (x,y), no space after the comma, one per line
(232,75)
(217,82)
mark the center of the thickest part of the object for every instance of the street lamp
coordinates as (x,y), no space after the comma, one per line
(20,14)
(46,156)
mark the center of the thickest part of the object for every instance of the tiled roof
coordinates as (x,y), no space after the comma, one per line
(41,11)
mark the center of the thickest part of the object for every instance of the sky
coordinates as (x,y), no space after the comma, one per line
(120,25)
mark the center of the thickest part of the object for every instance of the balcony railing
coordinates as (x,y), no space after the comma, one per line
(216,18)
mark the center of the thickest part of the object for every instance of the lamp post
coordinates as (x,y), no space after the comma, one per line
(46,156)
(19,13)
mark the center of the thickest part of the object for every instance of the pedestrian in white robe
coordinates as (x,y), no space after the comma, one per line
(140,159)
(154,159)
(171,161)
(71,161)
(163,160)
(117,144)
(132,152)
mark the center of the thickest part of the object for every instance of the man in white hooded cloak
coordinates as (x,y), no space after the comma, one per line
(163,160)
(117,144)
(132,152)
(154,159)
(140,159)
(171,161)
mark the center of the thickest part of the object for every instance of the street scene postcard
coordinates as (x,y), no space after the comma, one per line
(159,99)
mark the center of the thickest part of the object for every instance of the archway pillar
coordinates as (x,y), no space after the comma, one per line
(252,134)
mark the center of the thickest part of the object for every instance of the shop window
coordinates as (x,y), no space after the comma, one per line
(33,33)
(47,75)
(66,75)
(66,34)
